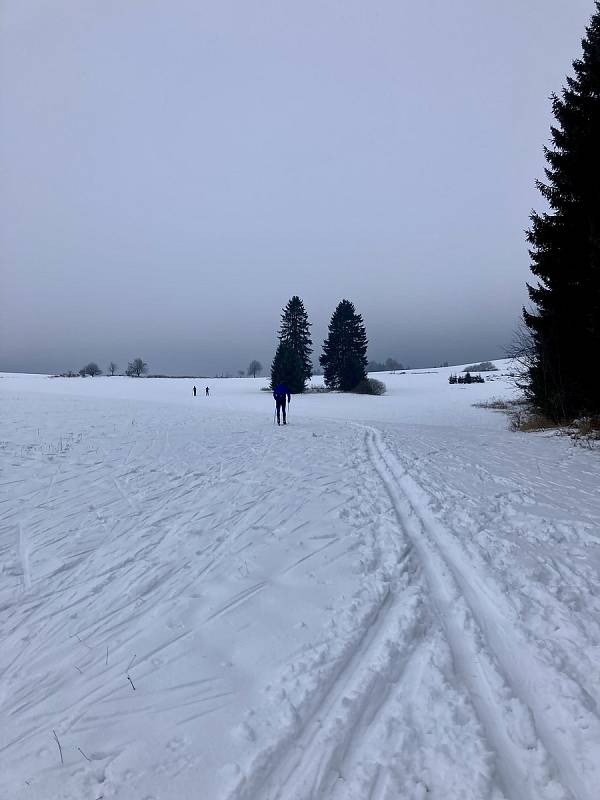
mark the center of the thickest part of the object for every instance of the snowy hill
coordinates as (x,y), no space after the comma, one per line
(393,597)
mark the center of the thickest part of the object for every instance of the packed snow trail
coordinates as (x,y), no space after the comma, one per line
(566,725)
(480,623)
(341,609)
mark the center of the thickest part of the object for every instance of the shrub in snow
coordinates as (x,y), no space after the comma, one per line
(530,420)
(587,428)
(370,386)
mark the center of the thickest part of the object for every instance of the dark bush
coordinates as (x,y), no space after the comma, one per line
(370,386)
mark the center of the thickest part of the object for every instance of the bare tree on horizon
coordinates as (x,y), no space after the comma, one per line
(136,367)
(91,369)
(254,367)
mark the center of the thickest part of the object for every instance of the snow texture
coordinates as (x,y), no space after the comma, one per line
(392,597)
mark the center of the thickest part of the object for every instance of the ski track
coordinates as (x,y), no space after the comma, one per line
(497,653)
(396,614)
(315,759)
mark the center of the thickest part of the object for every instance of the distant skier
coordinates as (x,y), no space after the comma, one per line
(194,391)
(207,391)
(281,393)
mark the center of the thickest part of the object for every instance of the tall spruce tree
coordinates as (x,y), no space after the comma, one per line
(287,368)
(344,357)
(565,249)
(295,332)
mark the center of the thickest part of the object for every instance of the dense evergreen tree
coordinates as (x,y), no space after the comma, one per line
(287,368)
(295,332)
(565,249)
(344,357)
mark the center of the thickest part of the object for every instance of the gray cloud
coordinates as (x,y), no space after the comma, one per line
(171,172)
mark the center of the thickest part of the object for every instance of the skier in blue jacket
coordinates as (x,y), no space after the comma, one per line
(281,393)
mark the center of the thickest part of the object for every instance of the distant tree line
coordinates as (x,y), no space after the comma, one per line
(389,365)
(483,366)
(468,378)
(135,368)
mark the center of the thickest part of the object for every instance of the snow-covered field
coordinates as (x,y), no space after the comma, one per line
(393,597)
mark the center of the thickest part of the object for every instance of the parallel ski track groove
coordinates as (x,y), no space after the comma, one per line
(448,584)
(309,764)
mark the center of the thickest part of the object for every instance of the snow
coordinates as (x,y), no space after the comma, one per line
(392,597)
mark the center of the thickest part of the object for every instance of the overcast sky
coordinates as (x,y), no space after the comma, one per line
(172,171)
